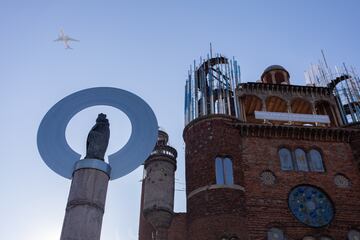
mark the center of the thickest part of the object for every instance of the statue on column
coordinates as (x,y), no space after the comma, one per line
(98,138)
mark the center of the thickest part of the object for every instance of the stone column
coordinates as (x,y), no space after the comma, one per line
(263,108)
(285,77)
(273,79)
(288,103)
(313,106)
(86,202)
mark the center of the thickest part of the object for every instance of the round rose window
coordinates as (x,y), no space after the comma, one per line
(311,206)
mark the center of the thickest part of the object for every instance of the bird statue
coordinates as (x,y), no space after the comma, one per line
(98,138)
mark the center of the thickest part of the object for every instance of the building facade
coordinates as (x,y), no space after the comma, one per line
(264,160)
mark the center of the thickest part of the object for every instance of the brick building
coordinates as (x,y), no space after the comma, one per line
(264,160)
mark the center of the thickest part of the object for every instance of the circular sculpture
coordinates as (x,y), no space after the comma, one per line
(267,178)
(311,206)
(61,158)
(341,181)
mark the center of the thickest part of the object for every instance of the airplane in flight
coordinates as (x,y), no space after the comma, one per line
(66,39)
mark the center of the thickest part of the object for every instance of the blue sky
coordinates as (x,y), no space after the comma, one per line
(145,47)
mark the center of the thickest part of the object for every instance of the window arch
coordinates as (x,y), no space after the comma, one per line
(275,234)
(301,160)
(315,161)
(286,159)
(224,171)
(353,235)
(325,238)
(309,238)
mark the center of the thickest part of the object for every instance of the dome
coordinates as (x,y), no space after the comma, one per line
(274,68)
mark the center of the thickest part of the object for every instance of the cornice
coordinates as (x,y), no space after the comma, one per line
(297,132)
(282,88)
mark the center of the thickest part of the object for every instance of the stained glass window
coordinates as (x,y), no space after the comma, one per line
(315,160)
(224,171)
(285,159)
(275,234)
(301,160)
(311,206)
(353,235)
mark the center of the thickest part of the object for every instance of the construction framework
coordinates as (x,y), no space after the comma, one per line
(344,82)
(210,87)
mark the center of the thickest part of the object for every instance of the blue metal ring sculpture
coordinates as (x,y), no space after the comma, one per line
(61,158)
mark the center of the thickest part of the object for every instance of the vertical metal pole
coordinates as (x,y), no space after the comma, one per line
(341,107)
(236,103)
(191,107)
(205,97)
(208,78)
(228,86)
(196,92)
(352,90)
(236,73)
(221,87)
(211,83)
(218,93)
(327,66)
(185,104)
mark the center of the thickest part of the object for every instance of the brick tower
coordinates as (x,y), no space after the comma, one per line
(267,159)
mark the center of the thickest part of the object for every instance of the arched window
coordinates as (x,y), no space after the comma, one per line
(275,234)
(353,235)
(301,160)
(325,238)
(309,238)
(315,161)
(224,171)
(286,159)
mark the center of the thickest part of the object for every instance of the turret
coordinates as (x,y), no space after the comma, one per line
(275,74)
(158,186)
(210,88)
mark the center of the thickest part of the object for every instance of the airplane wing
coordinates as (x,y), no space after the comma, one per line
(59,39)
(72,39)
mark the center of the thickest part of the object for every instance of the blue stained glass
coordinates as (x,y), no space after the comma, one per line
(228,171)
(285,159)
(224,171)
(219,171)
(301,160)
(316,162)
(311,206)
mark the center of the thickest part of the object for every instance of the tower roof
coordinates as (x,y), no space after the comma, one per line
(274,67)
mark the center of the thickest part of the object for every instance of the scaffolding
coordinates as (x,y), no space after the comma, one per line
(344,83)
(210,87)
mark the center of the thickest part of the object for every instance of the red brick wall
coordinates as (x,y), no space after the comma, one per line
(177,230)
(267,205)
(250,214)
(213,213)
